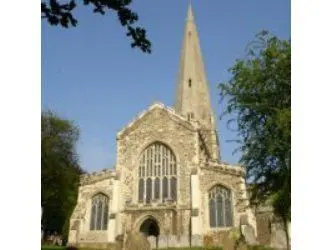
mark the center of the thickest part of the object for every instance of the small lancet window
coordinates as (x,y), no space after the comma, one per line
(189,83)
(190,116)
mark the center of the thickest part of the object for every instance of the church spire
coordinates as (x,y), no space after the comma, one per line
(190,16)
(193,98)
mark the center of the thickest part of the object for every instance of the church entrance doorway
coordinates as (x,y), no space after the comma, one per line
(150,228)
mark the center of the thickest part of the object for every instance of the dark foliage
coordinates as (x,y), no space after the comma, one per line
(61,14)
(60,172)
(259,95)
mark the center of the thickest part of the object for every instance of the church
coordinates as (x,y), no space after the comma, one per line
(169,181)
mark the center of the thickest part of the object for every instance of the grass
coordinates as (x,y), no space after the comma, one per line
(192,248)
(51,247)
(46,247)
(260,247)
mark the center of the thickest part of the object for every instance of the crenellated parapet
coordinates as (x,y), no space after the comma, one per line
(225,168)
(94,177)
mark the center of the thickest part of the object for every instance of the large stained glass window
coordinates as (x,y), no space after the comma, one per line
(157,174)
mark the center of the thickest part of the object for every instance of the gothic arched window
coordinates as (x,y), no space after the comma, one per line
(220,207)
(99,212)
(157,174)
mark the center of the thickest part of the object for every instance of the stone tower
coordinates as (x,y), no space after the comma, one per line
(193,99)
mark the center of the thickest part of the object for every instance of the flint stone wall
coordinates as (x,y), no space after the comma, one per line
(80,220)
(210,176)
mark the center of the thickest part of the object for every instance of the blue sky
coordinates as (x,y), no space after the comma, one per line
(91,75)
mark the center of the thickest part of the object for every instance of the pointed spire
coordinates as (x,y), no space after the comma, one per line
(193,99)
(190,16)
(193,91)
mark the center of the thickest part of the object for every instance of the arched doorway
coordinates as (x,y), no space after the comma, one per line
(150,227)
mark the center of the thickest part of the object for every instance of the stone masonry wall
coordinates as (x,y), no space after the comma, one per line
(180,135)
(231,178)
(157,125)
(80,219)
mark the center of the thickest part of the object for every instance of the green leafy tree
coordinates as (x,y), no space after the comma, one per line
(258,97)
(57,13)
(60,172)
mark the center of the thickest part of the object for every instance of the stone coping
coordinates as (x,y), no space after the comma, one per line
(225,168)
(87,179)
(159,105)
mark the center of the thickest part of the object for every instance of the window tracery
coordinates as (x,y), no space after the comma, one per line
(99,212)
(220,207)
(157,174)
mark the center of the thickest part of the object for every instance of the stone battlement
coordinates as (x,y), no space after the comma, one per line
(225,167)
(106,173)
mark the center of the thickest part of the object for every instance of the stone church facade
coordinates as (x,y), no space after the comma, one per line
(169,181)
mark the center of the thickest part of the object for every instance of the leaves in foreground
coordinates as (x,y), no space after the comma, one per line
(60,172)
(258,95)
(62,14)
